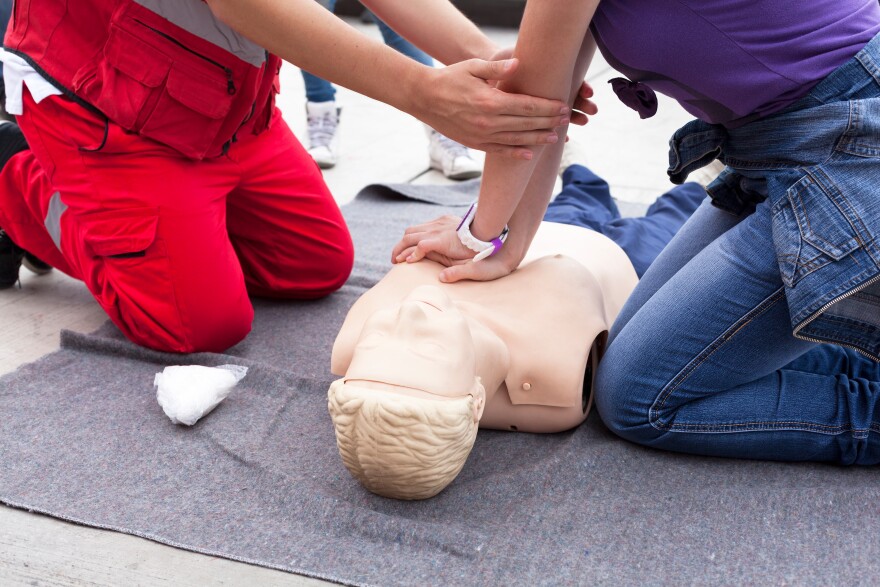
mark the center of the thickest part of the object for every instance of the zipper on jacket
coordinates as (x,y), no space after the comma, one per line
(228,143)
(821,310)
(230,83)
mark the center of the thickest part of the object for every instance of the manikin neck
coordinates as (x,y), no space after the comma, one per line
(492,356)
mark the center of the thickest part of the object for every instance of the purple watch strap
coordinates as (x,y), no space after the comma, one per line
(497,243)
(465,217)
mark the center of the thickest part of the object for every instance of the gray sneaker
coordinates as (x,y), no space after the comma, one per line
(323,123)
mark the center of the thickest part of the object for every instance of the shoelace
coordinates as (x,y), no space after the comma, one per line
(322,129)
(451,147)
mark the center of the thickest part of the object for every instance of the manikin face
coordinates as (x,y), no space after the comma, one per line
(424,345)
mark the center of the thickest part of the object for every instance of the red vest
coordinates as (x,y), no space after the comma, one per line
(165,69)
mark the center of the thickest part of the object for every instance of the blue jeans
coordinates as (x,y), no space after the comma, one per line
(585,200)
(702,358)
(320,90)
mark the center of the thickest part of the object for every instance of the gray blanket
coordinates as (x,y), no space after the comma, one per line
(82,438)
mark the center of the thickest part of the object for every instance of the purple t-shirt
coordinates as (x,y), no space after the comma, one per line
(731,61)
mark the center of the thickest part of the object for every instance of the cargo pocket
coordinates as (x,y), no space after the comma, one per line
(130,274)
(810,229)
(119,233)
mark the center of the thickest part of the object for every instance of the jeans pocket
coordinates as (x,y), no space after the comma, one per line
(810,228)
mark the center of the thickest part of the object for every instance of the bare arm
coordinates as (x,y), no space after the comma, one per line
(455,100)
(450,38)
(555,50)
(519,191)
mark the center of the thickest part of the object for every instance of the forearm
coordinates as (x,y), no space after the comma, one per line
(304,33)
(555,50)
(450,38)
(530,210)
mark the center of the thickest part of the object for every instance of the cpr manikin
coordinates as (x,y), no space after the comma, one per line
(424,363)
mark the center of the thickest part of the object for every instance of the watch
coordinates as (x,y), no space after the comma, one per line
(482,249)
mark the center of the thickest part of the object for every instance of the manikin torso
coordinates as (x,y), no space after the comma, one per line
(532,338)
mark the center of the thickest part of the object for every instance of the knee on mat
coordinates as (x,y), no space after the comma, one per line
(327,274)
(335,272)
(217,335)
(624,398)
(194,334)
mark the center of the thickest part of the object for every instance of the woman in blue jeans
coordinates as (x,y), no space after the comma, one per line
(756,332)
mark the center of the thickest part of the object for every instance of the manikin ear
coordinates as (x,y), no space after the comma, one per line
(479,395)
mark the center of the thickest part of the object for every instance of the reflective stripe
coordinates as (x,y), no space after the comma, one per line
(53,218)
(198,19)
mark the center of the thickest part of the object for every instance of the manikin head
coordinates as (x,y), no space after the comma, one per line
(407,412)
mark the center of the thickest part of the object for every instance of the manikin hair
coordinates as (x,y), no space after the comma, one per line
(402,446)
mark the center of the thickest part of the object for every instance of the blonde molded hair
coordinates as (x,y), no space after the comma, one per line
(402,446)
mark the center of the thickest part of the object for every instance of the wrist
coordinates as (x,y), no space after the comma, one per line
(482,247)
(487,50)
(511,255)
(414,85)
(483,230)
(517,250)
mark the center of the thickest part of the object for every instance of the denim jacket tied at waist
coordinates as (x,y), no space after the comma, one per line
(817,164)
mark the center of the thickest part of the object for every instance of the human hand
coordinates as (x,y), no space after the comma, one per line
(583,106)
(484,270)
(437,240)
(461,102)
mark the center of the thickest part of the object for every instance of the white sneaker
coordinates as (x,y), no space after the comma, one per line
(323,122)
(451,158)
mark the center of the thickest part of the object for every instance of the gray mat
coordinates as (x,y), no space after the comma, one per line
(259,480)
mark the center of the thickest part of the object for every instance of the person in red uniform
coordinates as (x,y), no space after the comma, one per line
(158,170)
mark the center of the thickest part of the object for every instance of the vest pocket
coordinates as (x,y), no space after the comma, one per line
(163,90)
(128,76)
(189,112)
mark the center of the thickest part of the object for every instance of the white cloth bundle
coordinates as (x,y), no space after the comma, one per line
(188,392)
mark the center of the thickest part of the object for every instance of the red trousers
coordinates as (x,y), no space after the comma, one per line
(171,247)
